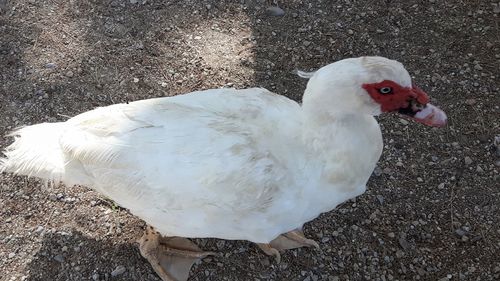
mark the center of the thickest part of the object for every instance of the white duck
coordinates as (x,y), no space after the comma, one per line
(225,163)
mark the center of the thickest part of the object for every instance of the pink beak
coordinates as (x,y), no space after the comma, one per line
(424,112)
(430,115)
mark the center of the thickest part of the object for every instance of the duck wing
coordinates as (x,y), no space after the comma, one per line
(188,160)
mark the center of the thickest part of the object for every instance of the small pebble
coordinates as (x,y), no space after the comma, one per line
(118,270)
(460,232)
(479,169)
(467,160)
(403,243)
(496,9)
(59,258)
(50,65)
(275,11)
(470,101)
(400,254)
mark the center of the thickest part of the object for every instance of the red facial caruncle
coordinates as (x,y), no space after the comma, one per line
(409,101)
(392,97)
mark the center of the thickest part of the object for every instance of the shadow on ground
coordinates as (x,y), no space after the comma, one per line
(65,256)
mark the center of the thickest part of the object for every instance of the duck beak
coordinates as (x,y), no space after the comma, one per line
(420,110)
(426,114)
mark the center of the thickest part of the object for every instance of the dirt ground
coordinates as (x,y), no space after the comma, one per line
(431,211)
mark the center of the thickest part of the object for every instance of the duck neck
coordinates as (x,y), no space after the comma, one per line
(323,129)
(344,145)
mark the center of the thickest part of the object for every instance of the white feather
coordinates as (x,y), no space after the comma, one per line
(232,164)
(35,152)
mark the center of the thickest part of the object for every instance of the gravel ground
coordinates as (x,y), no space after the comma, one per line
(431,211)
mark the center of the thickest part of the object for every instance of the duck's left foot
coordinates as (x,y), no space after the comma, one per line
(290,240)
(170,257)
(293,239)
(270,251)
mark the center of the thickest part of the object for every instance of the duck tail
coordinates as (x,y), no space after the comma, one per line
(35,152)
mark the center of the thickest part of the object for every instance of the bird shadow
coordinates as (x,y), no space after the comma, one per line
(76,256)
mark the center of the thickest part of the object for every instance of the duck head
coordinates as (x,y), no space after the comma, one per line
(369,85)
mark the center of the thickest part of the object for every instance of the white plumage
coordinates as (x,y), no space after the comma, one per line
(232,164)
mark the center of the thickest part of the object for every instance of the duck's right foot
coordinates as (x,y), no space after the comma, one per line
(290,240)
(170,257)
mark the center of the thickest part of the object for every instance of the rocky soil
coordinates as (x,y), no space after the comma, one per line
(431,211)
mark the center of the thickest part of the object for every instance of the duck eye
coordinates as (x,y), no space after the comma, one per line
(385,90)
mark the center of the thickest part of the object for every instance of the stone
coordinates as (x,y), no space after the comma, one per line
(400,254)
(59,258)
(275,11)
(460,232)
(467,160)
(118,271)
(51,65)
(403,243)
